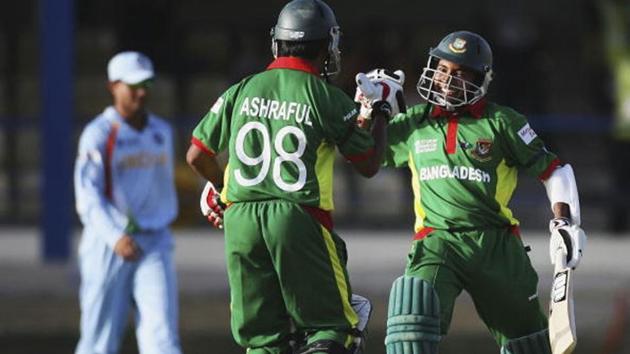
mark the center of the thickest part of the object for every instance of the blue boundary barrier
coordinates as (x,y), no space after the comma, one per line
(57,61)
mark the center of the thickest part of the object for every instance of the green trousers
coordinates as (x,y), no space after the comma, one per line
(493,267)
(286,273)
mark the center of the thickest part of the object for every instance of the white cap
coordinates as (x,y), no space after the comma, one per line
(130,68)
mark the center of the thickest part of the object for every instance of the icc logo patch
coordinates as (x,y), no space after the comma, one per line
(482,150)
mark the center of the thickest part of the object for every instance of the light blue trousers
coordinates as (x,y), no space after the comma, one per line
(111,287)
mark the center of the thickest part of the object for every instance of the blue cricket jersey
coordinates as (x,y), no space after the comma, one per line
(124,179)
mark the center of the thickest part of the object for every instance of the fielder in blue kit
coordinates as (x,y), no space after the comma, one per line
(126,199)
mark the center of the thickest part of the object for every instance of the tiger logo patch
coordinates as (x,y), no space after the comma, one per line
(482,151)
(458,46)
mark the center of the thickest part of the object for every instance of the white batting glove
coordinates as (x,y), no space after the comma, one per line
(382,90)
(567,238)
(211,205)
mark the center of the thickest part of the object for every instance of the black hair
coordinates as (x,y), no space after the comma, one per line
(306,50)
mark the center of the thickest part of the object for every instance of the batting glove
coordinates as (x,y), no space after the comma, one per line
(363,308)
(567,238)
(211,205)
(380,90)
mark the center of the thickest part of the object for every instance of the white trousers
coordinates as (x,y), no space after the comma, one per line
(111,287)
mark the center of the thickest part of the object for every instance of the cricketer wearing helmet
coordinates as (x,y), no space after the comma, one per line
(286,266)
(464,153)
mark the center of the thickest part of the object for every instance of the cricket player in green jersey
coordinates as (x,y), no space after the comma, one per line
(464,154)
(286,266)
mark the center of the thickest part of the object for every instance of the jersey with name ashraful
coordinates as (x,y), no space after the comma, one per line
(281,128)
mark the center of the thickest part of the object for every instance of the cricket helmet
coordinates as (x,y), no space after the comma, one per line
(468,50)
(309,20)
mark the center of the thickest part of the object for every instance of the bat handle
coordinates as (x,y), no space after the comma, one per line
(400,98)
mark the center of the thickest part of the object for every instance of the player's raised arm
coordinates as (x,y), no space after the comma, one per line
(380,94)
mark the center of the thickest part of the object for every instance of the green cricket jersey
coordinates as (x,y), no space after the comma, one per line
(464,169)
(281,127)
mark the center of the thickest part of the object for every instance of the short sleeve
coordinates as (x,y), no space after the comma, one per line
(212,134)
(526,150)
(354,143)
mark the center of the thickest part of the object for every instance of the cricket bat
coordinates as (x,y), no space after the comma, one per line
(562,334)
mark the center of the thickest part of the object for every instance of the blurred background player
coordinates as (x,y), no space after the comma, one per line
(286,266)
(464,154)
(126,200)
(616,28)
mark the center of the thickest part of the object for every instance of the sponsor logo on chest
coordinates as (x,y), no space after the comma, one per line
(425,145)
(142,160)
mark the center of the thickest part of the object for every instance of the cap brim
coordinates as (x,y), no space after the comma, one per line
(137,77)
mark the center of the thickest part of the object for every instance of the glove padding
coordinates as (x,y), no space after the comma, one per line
(211,205)
(567,238)
(380,90)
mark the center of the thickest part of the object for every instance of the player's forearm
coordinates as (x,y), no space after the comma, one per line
(105,218)
(370,167)
(561,210)
(562,192)
(204,165)
(95,209)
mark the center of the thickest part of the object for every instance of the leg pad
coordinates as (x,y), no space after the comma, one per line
(413,317)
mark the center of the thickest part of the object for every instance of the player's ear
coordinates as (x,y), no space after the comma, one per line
(110,86)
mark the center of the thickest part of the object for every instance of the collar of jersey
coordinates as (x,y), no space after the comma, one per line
(114,116)
(476,110)
(293,63)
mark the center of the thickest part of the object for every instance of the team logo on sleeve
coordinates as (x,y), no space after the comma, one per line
(527,134)
(482,150)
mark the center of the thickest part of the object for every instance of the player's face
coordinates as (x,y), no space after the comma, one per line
(451,79)
(131,99)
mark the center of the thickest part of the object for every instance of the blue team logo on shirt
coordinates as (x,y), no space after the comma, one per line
(157,137)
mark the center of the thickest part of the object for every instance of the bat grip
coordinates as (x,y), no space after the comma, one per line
(400,98)
(566,238)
